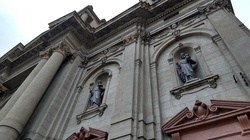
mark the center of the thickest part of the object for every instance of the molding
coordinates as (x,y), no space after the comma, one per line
(215,5)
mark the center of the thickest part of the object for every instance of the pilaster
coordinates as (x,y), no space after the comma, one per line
(123,116)
(236,40)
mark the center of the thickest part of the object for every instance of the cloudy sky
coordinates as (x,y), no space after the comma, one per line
(23,20)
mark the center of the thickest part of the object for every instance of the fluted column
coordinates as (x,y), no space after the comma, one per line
(45,55)
(13,123)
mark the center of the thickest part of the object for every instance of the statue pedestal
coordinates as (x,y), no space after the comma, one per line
(195,85)
(91,112)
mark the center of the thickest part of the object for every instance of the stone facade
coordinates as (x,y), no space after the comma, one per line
(45,85)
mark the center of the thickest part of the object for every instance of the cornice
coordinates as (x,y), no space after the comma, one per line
(215,5)
(89,36)
(167,8)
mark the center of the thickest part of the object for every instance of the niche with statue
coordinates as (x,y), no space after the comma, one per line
(96,103)
(191,73)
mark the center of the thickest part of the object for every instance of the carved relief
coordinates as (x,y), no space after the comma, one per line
(201,111)
(84,62)
(91,134)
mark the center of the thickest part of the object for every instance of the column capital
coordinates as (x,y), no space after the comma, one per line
(46,53)
(64,48)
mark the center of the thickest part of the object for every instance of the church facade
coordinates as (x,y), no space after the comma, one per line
(162,69)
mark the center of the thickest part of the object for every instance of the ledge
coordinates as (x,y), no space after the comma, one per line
(91,112)
(194,86)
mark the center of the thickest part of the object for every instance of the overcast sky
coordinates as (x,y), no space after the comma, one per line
(23,20)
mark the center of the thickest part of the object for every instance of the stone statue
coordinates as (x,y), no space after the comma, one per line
(185,68)
(97,94)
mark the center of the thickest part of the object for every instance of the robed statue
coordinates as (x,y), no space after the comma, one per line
(186,67)
(97,93)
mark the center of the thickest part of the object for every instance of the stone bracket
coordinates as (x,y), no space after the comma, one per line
(91,112)
(194,86)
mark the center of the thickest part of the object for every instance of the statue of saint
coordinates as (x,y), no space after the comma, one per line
(185,68)
(97,94)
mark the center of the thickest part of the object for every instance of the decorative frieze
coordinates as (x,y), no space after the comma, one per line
(214,5)
(130,39)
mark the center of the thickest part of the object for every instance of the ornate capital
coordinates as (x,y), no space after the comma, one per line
(46,54)
(64,48)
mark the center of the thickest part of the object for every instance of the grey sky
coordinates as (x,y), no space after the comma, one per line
(23,20)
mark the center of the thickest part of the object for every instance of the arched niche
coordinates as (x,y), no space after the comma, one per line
(103,73)
(104,77)
(168,54)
